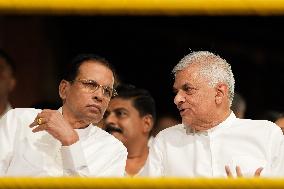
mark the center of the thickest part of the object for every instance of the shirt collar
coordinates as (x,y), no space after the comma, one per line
(227,122)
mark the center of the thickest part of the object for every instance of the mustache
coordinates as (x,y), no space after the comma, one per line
(111,128)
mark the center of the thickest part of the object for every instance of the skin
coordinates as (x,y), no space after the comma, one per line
(7,84)
(135,131)
(80,108)
(280,123)
(239,172)
(200,105)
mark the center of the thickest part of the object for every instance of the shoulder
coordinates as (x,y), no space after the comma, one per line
(261,124)
(257,126)
(173,133)
(177,129)
(107,139)
(20,114)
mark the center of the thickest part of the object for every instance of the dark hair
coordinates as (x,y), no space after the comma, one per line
(141,99)
(72,69)
(9,61)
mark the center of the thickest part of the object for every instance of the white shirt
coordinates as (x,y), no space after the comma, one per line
(249,144)
(24,153)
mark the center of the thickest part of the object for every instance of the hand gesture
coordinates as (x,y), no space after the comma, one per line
(239,172)
(52,122)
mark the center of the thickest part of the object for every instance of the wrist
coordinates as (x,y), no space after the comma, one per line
(70,140)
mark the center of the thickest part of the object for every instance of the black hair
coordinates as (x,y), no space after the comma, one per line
(8,60)
(141,99)
(72,69)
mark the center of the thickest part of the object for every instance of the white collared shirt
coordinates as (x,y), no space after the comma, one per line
(24,153)
(249,144)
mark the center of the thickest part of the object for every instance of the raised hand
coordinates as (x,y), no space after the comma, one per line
(52,122)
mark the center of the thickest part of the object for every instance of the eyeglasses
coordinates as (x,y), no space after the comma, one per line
(91,86)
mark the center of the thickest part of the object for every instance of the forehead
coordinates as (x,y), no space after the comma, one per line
(120,103)
(189,75)
(96,71)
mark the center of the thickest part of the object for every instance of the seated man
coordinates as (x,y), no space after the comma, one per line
(211,141)
(63,142)
(130,117)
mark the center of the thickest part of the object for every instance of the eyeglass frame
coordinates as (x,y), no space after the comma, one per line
(91,81)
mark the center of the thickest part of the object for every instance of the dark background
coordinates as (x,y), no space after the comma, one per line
(144,50)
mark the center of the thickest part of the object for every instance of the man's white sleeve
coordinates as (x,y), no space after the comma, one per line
(88,161)
(7,138)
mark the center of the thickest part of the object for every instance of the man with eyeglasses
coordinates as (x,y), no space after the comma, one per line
(63,142)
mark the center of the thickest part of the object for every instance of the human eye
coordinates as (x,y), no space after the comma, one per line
(90,84)
(188,89)
(121,113)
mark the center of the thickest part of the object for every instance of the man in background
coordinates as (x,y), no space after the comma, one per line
(7,81)
(130,117)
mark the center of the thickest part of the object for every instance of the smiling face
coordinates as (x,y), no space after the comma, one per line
(124,122)
(195,99)
(78,101)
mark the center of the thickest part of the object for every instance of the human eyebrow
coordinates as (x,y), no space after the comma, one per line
(119,111)
(188,87)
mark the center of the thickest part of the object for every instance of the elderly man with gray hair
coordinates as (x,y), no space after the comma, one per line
(211,141)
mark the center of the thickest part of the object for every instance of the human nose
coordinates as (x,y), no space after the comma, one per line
(98,94)
(179,97)
(111,118)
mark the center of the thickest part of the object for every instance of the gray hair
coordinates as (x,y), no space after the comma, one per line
(213,67)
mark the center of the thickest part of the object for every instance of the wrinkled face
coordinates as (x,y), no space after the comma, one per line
(123,121)
(77,98)
(194,98)
(7,80)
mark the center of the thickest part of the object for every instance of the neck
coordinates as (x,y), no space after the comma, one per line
(73,121)
(137,156)
(214,120)
(138,149)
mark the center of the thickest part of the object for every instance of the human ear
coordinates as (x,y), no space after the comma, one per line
(148,123)
(221,93)
(63,89)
